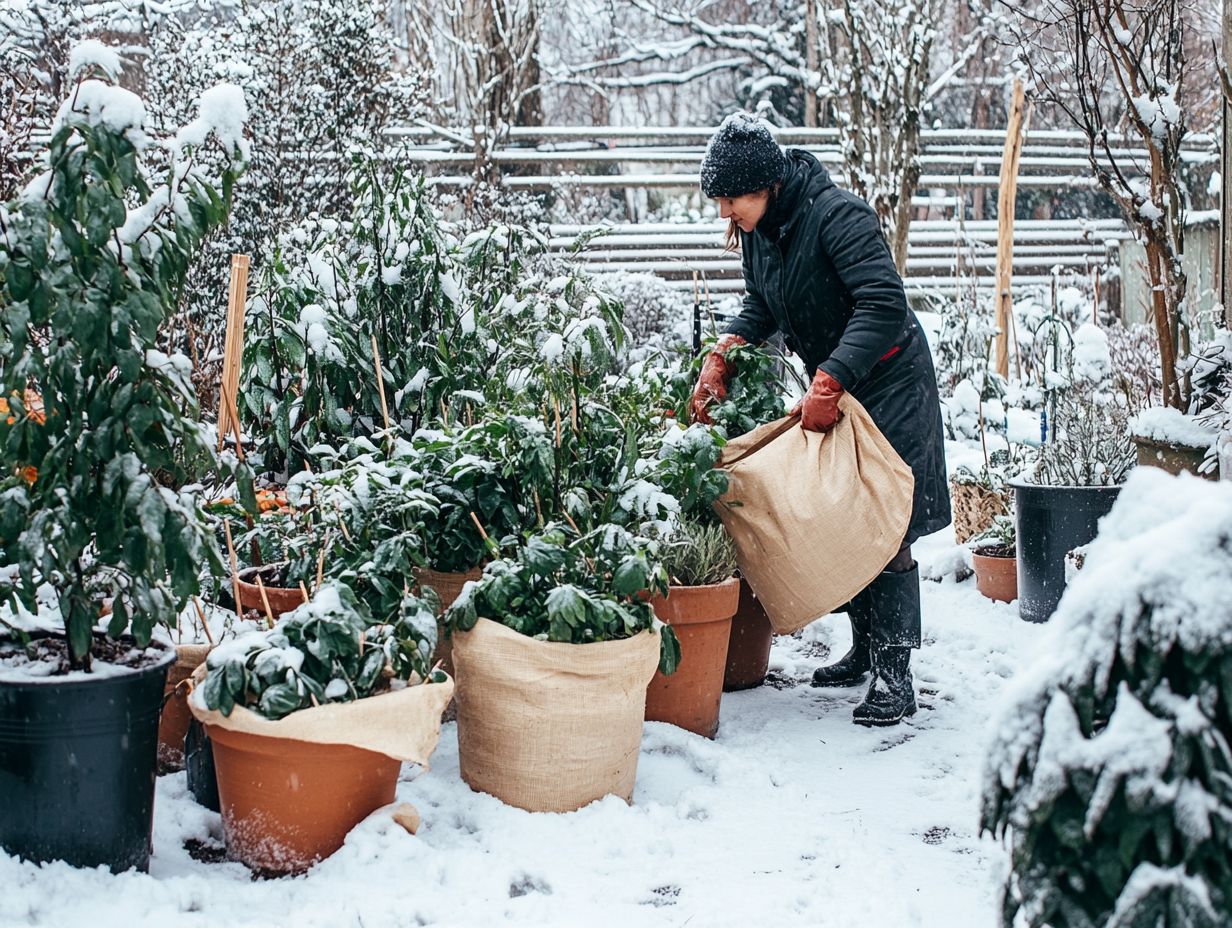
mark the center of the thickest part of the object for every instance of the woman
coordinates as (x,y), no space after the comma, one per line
(817,270)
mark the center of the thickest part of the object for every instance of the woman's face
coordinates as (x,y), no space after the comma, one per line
(745,211)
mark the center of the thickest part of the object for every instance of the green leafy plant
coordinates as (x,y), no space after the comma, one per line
(327,651)
(754,394)
(998,540)
(92,257)
(1110,771)
(571,587)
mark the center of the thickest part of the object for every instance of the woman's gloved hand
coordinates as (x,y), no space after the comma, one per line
(819,408)
(712,382)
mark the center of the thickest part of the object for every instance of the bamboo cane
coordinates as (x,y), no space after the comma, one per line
(235,568)
(380,385)
(1007,196)
(269,613)
(204,624)
(233,348)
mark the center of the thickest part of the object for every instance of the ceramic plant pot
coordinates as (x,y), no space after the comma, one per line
(281,599)
(288,804)
(1175,459)
(996,574)
(173,723)
(448,587)
(701,616)
(748,648)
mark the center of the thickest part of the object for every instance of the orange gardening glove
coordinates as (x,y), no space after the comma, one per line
(819,408)
(712,382)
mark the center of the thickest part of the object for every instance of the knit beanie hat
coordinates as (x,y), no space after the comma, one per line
(742,157)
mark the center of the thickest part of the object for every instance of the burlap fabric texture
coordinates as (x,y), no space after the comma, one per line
(550,726)
(404,724)
(815,517)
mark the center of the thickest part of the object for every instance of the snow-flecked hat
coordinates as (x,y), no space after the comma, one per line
(742,157)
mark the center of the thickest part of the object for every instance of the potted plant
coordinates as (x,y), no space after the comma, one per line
(310,722)
(994,558)
(92,256)
(755,397)
(1075,482)
(485,479)
(554,648)
(1179,442)
(702,598)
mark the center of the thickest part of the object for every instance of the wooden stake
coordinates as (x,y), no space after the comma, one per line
(204,624)
(269,613)
(380,384)
(1007,197)
(303,589)
(235,568)
(233,348)
(227,402)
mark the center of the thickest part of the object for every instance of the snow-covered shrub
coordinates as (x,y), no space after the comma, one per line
(103,429)
(492,478)
(328,650)
(321,80)
(458,324)
(563,585)
(655,313)
(1110,769)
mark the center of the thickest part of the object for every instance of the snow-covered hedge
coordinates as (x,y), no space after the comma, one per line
(1110,769)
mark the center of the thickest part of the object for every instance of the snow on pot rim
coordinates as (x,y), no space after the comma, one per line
(24,672)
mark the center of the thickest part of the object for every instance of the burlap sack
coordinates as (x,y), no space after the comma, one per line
(403,724)
(815,517)
(550,726)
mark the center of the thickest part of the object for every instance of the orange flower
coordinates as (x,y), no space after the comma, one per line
(29,474)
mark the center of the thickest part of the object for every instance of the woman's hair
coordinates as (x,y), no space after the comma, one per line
(731,238)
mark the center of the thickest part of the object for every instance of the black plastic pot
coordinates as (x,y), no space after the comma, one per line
(77,767)
(199,766)
(1051,522)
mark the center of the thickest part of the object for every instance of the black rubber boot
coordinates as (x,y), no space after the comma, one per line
(894,603)
(850,669)
(890,695)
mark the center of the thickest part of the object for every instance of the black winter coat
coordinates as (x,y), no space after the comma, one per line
(818,270)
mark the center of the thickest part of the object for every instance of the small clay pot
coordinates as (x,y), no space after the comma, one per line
(701,617)
(748,648)
(996,574)
(173,723)
(288,804)
(448,587)
(281,599)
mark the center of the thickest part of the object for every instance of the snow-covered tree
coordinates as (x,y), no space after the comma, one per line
(1116,69)
(1110,770)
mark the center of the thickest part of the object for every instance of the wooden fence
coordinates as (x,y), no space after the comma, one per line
(947,249)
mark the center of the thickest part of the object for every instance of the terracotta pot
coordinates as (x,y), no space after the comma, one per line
(1175,459)
(996,576)
(448,586)
(701,617)
(281,599)
(288,804)
(173,723)
(748,648)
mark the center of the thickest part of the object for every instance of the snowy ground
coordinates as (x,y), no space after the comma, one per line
(793,816)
